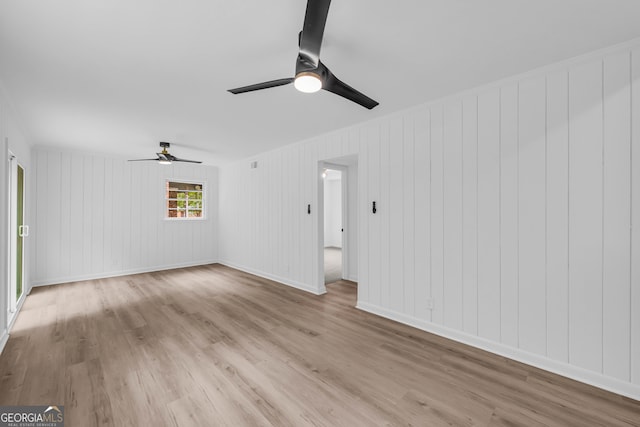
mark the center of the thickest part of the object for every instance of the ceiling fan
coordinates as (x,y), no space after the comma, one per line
(164,157)
(311,74)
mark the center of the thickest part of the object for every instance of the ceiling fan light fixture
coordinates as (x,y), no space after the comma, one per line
(307,82)
(311,74)
(164,158)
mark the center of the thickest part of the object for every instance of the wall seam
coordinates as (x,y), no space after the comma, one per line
(631,231)
(518,213)
(500,212)
(415,281)
(568,217)
(546,216)
(462,234)
(603,212)
(477,219)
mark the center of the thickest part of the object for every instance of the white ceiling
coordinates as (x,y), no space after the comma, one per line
(117,76)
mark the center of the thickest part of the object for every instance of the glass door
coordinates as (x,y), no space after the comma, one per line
(18,230)
(20,234)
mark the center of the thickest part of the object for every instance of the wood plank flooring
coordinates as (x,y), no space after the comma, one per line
(209,346)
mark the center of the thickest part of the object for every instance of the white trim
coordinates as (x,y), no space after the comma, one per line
(318,222)
(3,340)
(344,213)
(344,237)
(14,166)
(203,184)
(104,275)
(13,316)
(347,243)
(288,282)
(570,371)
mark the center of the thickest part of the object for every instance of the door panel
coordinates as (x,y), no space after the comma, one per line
(19,233)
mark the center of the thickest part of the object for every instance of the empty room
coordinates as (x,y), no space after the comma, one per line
(320,213)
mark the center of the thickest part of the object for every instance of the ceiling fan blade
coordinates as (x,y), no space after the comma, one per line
(259,86)
(175,159)
(141,160)
(312,31)
(335,85)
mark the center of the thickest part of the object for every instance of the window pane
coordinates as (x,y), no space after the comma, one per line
(184,199)
(184,186)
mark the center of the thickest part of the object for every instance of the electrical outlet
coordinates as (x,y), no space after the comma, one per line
(430,303)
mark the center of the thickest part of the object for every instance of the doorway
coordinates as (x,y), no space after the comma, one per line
(18,230)
(333,224)
(338,224)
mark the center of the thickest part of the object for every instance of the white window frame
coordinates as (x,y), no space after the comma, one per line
(166,200)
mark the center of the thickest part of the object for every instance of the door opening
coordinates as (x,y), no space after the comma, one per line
(18,230)
(338,236)
(333,225)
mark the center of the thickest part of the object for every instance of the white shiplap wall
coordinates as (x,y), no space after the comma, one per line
(98,216)
(4,219)
(11,140)
(508,207)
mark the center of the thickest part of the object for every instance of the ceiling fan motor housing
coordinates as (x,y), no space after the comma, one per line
(303,66)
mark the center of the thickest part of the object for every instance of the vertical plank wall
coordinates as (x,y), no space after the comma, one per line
(504,217)
(265,223)
(4,219)
(11,139)
(98,216)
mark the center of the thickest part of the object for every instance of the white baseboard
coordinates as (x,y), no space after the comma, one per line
(13,319)
(294,284)
(564,369)
(106,274)
(570,371)
(4,337)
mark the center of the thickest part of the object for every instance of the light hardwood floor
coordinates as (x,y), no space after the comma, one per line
(210,346)
(332,264)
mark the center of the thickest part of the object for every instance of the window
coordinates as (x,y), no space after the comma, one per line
(184,200)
